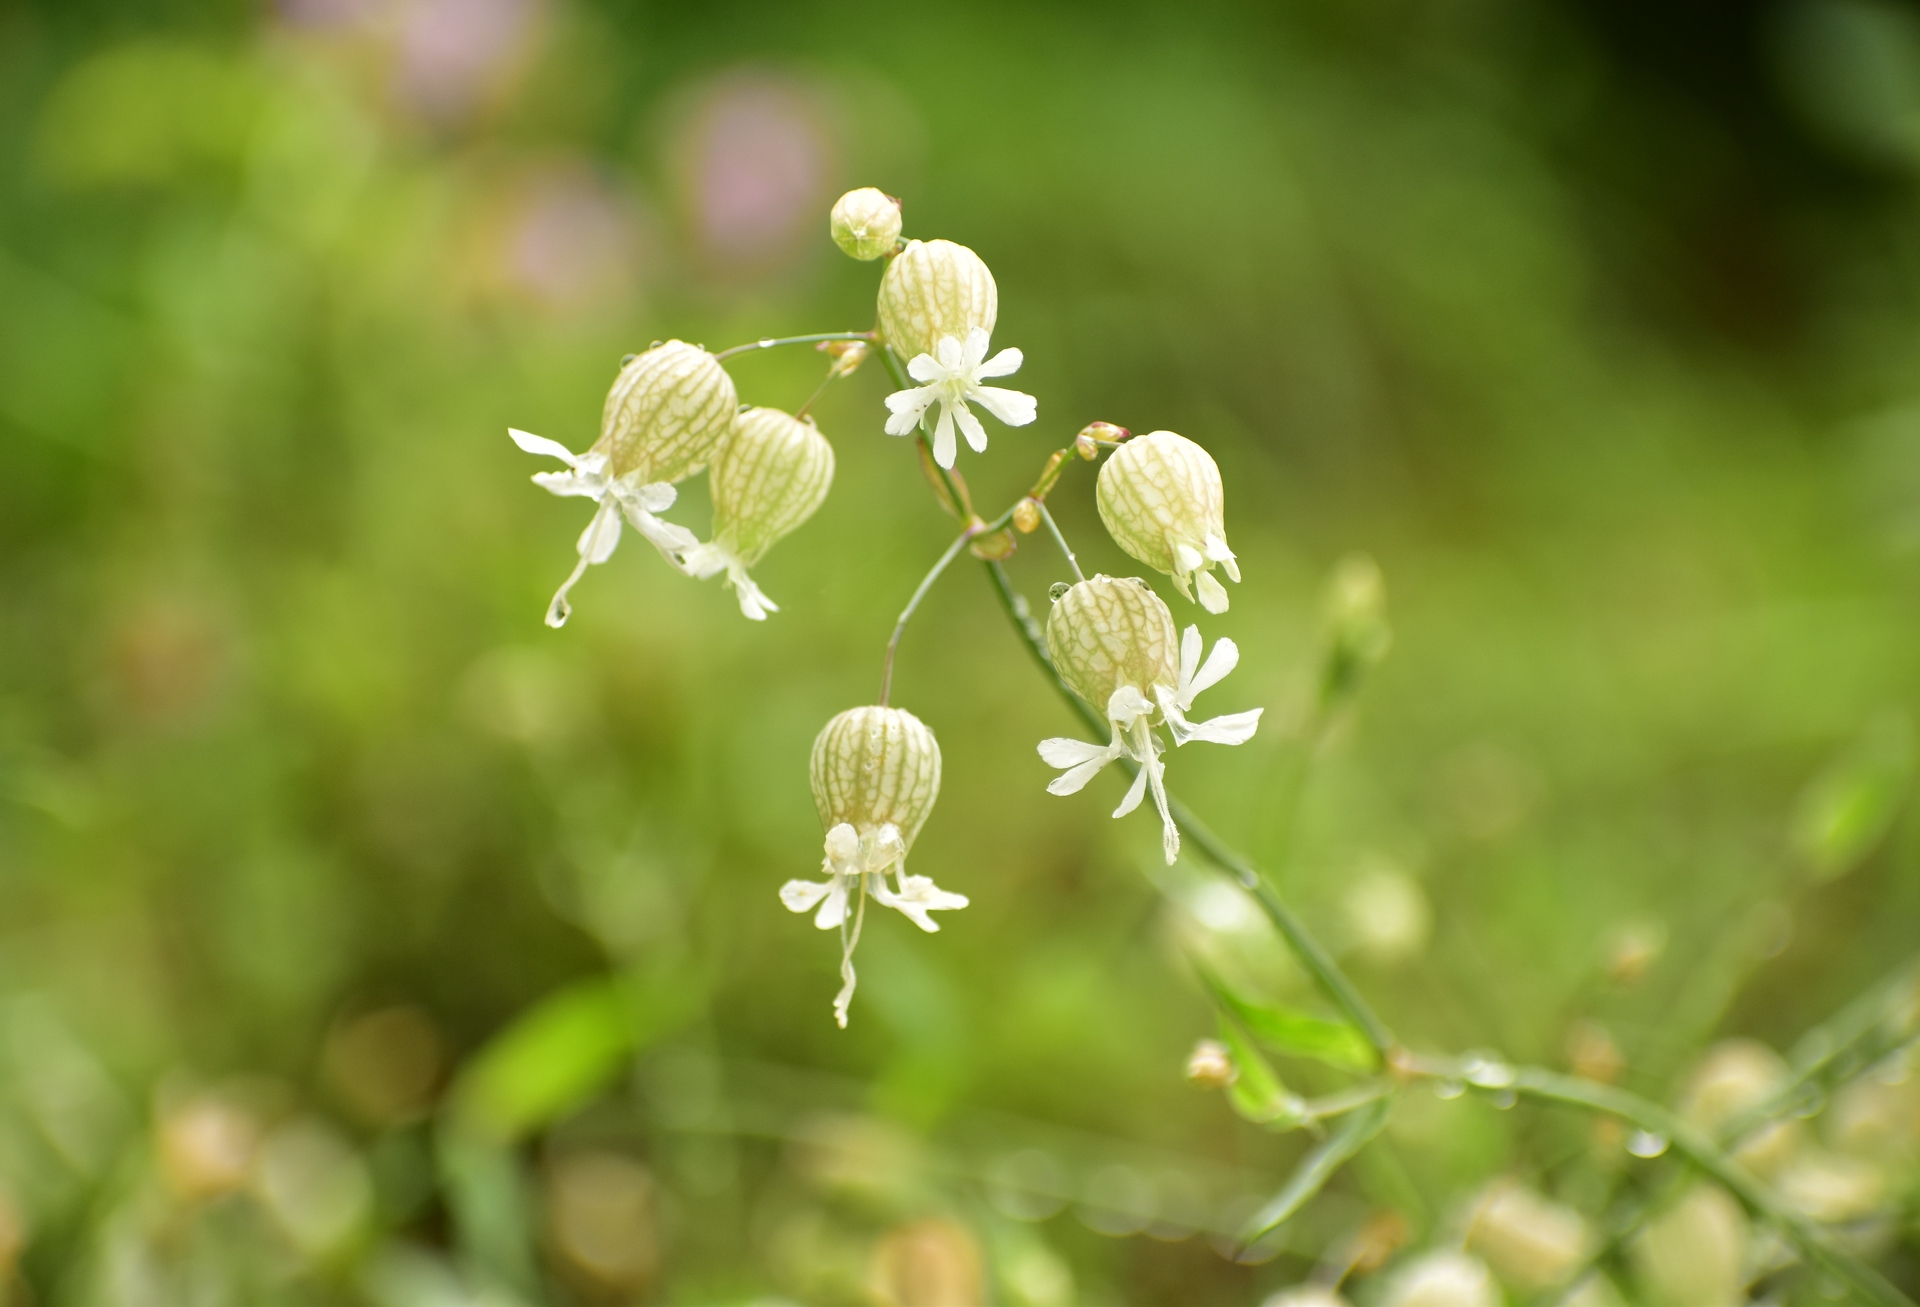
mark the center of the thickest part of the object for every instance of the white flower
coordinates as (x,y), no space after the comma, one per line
(860,865)
(951,379)
(617,496)
(1130,712)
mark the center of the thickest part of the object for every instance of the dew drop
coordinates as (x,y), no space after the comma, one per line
(1484,1073)
(1503,1098)
(1644,1143)
(1448,1089)
(1057,589)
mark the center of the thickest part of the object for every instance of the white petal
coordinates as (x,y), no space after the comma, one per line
(943,449)
(843,847)
(1213,595)
(1134,794)
(1075,780)
(1127,705)
(834,910)
(1224,658)
(569,483)
(917,897)
(753,601)
(914,400)
(602,535)
(801,895)
(669,538)
(1234,728)
(976,434)
(1186,558)
(1190,646)
(1004,364)
(1010,406)
(541,445)
(656,496)
(1063,751)
(924,367)
(975,349)
(951,353)
(1169,833)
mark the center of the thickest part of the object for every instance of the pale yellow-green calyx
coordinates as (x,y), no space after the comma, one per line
(934,289)
(1108,632)
(875,767)
(865,223)
(667,413)
(1161,500)
(1533,1242)
(772,472)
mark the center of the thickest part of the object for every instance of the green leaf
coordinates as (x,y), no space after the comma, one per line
(1257,1092)
(1296,1033)
(562,1051)
(1318,1166)
(1848,808)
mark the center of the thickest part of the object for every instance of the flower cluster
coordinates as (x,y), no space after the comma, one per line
(673,412)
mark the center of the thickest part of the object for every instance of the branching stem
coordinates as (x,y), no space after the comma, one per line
(770,342)
(906,614)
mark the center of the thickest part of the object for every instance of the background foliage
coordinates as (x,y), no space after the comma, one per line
(327,873)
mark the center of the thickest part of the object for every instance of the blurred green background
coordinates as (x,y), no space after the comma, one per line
(361,940)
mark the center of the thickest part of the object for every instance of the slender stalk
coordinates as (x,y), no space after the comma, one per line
(769,342)
(906,614)
(1053,529)
(814,398)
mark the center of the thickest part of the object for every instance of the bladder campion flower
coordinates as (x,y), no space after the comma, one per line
(1161,499)
(933,289)
(772,471)
(664,417)
(951,376)
(1112,640)
(876,773)
(865,223)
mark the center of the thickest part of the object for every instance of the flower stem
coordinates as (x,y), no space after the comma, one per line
(906,614)
(770,342)
(1053,529)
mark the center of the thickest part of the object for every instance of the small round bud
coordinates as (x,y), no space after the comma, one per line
(1210,1065)
(1085,446)
(1533,1242)
(1633,950)
(1026,517)
(934,289)
(667,413)
(1735,1076)
(207,1146)
(771,473)
(1829,1188)
(865,223)
(1694,1254)
(1161,499)
(874,767)
(1443,1279)
(1095,434)
(994,546)
(1106,632)
(847,355)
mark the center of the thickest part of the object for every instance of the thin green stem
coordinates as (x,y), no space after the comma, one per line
(770,342)
(906,614)
(1053,529)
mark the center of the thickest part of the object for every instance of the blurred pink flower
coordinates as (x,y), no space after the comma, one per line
(756,159)
(573,241)
(451,53)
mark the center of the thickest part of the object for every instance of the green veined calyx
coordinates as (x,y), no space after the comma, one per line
(1161,500)
(875,774)
(771,473)
(865,223)
(933,289)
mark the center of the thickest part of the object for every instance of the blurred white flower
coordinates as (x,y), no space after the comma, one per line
(950,380)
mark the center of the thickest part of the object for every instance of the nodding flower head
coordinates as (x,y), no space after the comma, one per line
(1112,640)
(666,414)
(772,471)
(934,289)
(865,223)
(876,773)
(1161,499)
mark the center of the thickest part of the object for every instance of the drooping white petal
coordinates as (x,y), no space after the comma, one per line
(970,425)
(541,445)
(1127,705)
(1012,407)
(602,535)
(1156,772)
(1064,751)
(656,496)
(671,539)
(1190,647)
(918,896)
(1213,595)
(1232,728)
(753,600)
(1004,364)
(802,895)
(570,483)
(943,447)
(1135,793)
(1186,558)
(1224,658)
(834,910)
(1076,777)
(1217,551)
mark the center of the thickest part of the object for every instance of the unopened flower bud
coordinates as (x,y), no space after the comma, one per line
(1829,1188)
(847,355)
(935,289)
(208,1146)
(1356,611)
(1095,434)
(875,773)
(1026,517)
(1533,1242)
(1735,1076)
(1085,446)
(1161,499)
(1210,1065)
(667,413)
(1108,632)
(771,473)
(865,223)
(1694,1254)
(1443,1279)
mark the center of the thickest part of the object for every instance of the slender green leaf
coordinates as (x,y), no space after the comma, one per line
(1318,1166)
(1848,808)
(1296,1033)
(1257,1093)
